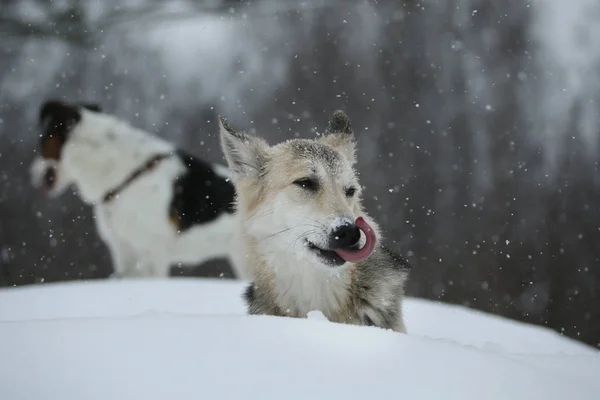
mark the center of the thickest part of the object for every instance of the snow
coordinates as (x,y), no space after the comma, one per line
(190,338)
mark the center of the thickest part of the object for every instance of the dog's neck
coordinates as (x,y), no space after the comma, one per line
(103,151)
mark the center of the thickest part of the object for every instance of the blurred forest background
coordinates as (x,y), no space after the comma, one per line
(477,123)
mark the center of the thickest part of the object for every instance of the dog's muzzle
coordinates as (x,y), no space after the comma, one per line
(344,243)
(49,179)
(346,239)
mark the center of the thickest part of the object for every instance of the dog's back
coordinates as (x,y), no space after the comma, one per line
(200,194)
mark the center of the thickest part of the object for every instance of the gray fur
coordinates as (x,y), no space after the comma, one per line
(308,149)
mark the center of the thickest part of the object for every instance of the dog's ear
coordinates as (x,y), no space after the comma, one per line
(246,155)
(60,113)
(92,107)
(56,119)
(340,134)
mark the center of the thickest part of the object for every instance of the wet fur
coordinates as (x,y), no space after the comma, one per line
(276,217)
(179,211)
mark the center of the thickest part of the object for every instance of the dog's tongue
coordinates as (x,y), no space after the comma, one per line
(359,255)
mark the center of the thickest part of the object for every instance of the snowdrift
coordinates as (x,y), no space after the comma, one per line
(186,338)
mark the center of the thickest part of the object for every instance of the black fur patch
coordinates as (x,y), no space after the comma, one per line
(368,321)
(248,294)
(199,195)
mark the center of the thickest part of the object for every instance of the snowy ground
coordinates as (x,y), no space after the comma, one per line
(189,339)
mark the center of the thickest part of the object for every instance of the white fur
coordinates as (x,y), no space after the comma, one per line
(100,153)
(300,276)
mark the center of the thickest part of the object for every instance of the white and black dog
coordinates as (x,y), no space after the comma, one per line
(154,205)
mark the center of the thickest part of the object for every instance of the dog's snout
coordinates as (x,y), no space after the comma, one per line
(345,236)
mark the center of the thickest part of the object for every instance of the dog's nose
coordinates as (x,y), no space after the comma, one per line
(345,236)
(50,177)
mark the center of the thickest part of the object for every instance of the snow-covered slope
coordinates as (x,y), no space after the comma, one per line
(189,339)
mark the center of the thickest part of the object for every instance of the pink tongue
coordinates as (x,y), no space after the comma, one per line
(364,253)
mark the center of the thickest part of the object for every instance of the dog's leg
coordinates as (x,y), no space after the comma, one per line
(115,275)
(108,237)
(123,258)
(149,265)
(239,264)
(160,267)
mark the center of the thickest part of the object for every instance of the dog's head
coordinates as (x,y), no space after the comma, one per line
(56,120)
(301,196)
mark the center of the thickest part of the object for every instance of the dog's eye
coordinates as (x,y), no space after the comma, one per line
(350,191)
(306,183)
